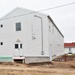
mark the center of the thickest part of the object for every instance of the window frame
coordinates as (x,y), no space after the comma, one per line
(18,26)
(16,47)
(50,28)
(20,46)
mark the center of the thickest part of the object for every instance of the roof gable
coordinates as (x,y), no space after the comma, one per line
(55,25)
(17,12)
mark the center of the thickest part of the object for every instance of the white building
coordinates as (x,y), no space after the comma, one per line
(69,48)
(29,35)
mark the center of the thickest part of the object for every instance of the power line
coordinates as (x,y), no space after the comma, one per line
(57,6)
(44,10)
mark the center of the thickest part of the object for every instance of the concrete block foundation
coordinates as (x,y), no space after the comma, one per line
(36,59)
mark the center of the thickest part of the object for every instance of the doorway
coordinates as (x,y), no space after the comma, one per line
(18,50)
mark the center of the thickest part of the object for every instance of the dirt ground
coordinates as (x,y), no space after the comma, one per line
(54,68)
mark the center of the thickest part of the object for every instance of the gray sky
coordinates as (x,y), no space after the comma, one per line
(63,17)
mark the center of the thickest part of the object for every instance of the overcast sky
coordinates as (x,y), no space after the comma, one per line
(63,17)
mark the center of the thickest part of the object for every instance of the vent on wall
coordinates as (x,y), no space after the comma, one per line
(1,25)
(33,37)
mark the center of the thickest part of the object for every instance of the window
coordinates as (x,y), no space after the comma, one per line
(70,52)
(49,28)
(1,43)
(53,29)
(1,25)
(20,45)
(18,26)
(16,46)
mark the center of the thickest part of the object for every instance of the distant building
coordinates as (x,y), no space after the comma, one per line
(69,48)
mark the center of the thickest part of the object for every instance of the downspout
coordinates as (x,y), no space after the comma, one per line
(50,53)
(42,52)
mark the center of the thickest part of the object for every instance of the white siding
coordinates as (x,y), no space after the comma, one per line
(67,50)
(30,26)
(56,40)
(9,35)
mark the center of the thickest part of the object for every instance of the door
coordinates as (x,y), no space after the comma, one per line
(18,50)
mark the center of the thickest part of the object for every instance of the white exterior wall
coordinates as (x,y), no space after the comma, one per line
(73,50)
(67,50)
(9,35)
(56,40)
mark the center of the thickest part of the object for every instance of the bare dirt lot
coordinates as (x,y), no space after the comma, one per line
(54,68)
